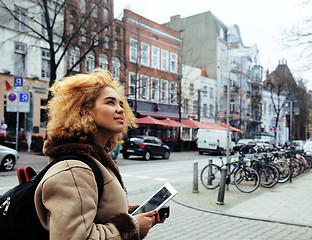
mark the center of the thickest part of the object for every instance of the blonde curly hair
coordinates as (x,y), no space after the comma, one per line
(73,93)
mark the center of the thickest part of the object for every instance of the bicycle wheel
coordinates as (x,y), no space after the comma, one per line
(268,176)
(296,169)
(210,176)
(246,179)
(284,171)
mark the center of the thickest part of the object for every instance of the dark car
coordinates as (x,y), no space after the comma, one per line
(245,146)
(145,146)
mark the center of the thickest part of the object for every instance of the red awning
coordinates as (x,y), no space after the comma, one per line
(195,124)
(173,123)
(215,126)
(151,121)
(232,128)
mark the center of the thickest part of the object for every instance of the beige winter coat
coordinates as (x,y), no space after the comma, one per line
(66,199)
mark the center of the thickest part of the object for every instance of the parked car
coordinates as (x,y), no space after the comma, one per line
(308,148)
(213,141)
(263,145)
(298,144)
(245,146)
(8,158)
(145,146)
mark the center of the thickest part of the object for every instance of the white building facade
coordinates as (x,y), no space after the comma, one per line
(269,117)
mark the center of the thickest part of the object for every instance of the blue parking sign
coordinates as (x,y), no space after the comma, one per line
(18,82)
(24,97)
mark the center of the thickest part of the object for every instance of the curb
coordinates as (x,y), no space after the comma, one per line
(239,216)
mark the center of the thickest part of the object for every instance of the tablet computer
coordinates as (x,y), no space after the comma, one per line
(157,200)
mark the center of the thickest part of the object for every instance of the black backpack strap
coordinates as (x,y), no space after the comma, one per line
(96,171)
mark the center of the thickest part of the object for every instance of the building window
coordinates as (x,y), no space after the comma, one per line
(205,110)
(71,28)
(95,13)
(20,50)
(264,108)
(133,50)
(95,38)
(116,68)
(155,89)
(210,110)
(186,105)
(115,45)
(106,15)
(83,35)
(155,57)
(74,58)
(21,18)
(89,63)
(132,85)
(232,105)
(164,60)
(173,92)
(205,91)
(144,87)
(83,6)
(270,109)
(145,54)
(103,61)
(195,106)
(45,64)
(191,89)
(173,62)
(106,42)
(211,92)
(164,91)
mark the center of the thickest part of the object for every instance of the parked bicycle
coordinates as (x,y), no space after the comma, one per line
(269,173)
(245,178)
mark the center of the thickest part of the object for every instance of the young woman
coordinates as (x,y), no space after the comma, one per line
(87,115)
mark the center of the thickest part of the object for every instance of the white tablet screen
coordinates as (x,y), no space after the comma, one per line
(155,201)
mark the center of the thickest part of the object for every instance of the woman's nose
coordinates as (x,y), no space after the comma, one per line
(120,109)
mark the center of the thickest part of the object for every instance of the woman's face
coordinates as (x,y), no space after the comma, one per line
(108,113)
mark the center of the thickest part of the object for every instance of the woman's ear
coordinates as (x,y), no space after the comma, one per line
(84,111)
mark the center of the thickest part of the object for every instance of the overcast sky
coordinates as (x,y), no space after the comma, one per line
(260,22)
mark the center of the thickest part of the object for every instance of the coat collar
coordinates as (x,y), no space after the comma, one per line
(55,149)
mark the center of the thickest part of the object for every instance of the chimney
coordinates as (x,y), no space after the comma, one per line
(175,17)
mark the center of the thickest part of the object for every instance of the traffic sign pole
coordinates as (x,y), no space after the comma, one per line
(18,84)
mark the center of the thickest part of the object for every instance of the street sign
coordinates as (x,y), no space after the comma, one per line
(240,52)
(17,102)
(18,82)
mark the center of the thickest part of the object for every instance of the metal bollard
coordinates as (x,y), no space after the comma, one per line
(209,180)
(221,192)
(195,177)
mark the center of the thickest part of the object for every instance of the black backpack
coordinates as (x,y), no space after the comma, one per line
(18,216)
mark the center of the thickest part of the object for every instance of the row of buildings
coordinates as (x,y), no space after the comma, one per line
(179,70)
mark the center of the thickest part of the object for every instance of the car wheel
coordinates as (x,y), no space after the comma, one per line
(167,155)
(8,163)
(201,153)
(147,156)
(125,156)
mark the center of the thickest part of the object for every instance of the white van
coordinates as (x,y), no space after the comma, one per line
(213,141)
